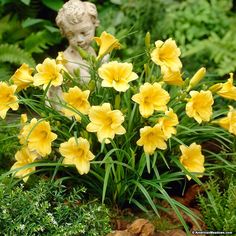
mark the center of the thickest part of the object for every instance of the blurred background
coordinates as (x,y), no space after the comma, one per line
(205,30)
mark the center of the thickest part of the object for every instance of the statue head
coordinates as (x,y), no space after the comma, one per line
(77,21)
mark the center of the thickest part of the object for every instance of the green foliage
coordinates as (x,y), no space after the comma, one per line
(218,207)
(24,38)
(205,30)
(15,55)
(8,144)
(49,208)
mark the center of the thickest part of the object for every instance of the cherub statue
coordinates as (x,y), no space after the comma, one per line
(77,21)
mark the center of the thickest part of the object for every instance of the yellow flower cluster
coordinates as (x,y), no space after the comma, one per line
(152,99)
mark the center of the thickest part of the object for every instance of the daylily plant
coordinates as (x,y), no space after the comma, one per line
(123,125)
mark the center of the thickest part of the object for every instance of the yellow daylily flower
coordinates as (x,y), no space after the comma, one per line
(229,122)
(48,72)
(24,157)
(198,76)
(117,75)
(228,89)
(151,97)
(106,122)
(167,54)
(152,138)
(7,99)
(38,137)
(107,43)
(199,106)
(76,99)
(76,152)
(192,159)
(171,77)
(22,78)
(168,123)
(61,58)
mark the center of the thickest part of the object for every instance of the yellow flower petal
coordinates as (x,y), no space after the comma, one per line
(192,159)
(199,105)
(167,54)
(107,43)
(117,75)
(152,138)
(76,152)
(7,99)
(48,72)
(228,90)
(105,122)
(22,78)
(151,97)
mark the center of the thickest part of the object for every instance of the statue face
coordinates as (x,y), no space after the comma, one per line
(81,34)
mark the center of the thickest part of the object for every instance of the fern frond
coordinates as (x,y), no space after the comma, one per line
(40,41)
(15,55)
(5,72)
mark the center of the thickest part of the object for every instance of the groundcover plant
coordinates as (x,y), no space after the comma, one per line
(127,137)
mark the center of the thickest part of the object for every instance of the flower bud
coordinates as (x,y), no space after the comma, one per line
(215,88)
(147,40)
(197,78)
(117,101)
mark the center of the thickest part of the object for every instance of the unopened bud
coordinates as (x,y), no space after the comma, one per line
(82,53)
(197,78)
(91,85)
(216,87)
(117,101)
(147,40)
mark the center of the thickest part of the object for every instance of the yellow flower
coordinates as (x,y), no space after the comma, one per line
(152,138)
(61,58)
(192,159)
(7,99)
(229,122)
(199,106)
(38,136)
(171,77)
(48,72)
(167,54)
(151,97)
(24,157)
(168,123)
(228,89)
(76,152)
(117,75)
(22,78)
(107,43)
(76,99)
(105,122)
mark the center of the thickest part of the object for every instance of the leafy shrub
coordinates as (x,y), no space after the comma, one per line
(49,208)
(218,206)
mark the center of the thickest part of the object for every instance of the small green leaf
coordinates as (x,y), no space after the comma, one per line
(54,5)
(26,2)
(31,21)
(117,2)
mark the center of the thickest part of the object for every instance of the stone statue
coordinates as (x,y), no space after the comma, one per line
(77,21)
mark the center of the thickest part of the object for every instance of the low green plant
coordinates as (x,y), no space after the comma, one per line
(50,208)
(218,205)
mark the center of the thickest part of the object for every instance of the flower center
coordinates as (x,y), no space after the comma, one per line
(43,134)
